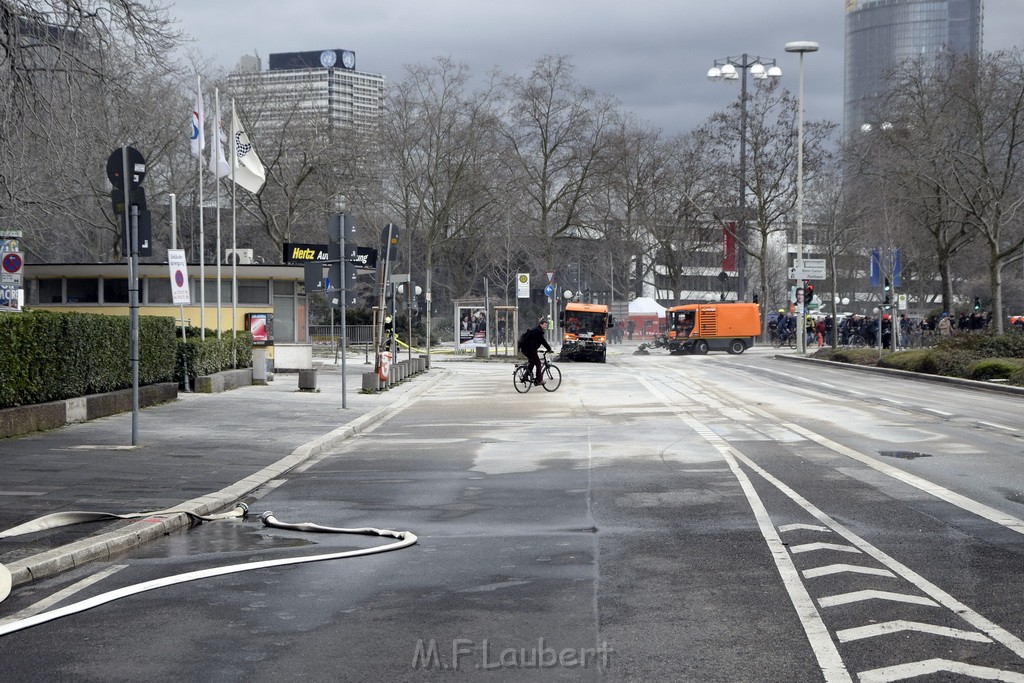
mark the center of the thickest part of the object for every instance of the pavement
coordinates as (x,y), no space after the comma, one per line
(201,453)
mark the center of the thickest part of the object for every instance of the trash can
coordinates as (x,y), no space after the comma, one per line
(307,380)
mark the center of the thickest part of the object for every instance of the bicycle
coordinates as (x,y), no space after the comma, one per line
(523,376)
(787,338)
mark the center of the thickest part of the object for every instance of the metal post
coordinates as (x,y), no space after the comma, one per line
(741,231)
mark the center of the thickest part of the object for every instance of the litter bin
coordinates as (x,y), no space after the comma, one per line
(307,380)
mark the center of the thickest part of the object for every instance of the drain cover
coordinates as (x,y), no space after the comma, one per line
(905,455)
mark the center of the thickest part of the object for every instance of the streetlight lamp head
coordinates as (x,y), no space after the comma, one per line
(802,46)
(758,71)
(729,72)
(774,72)
(714,74)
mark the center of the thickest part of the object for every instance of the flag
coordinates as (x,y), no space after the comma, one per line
(246,168)
(198,123)
(218,164)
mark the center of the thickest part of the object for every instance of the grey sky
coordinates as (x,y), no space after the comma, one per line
(652,55)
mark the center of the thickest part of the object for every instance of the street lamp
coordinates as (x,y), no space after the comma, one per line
(725,69)
(801,46)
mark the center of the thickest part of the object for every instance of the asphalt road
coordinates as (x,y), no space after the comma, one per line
(715,518)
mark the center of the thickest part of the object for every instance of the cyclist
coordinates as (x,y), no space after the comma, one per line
(531,342)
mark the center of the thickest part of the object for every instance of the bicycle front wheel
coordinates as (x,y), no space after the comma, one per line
(552,378)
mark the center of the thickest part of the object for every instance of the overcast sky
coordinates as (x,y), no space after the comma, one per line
(651,55)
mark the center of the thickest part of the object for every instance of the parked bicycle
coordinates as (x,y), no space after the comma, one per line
(524,378)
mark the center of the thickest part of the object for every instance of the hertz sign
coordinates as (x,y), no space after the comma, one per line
(366,258)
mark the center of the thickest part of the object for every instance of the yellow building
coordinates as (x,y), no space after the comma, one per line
(103,288)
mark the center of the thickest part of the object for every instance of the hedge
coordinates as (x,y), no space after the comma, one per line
(47,356)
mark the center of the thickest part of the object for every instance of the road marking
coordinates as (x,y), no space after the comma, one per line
(940,492)
(809,527)
(825,651)
(885,628)
(46,603)
(830,569)
(863,596)
(931,666)
(941,413)
(811,547)
(996,426)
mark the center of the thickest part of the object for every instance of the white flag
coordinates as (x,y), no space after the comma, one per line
(246,167)
(198,123)
(218,164)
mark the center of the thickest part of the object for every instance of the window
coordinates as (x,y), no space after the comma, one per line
(51,291)
(115,290)
(158,290)
(83,290)
(253,292)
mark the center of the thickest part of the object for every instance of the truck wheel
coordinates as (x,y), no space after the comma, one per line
(601,358)
(737,346)
(700,346)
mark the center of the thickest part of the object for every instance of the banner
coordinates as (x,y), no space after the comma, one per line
(472,327)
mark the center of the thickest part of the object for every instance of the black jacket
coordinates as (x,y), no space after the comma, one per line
(533,340)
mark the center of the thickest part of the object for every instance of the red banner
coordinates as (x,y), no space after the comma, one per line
(729,246)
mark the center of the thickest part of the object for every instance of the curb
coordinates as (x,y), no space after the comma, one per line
(75,554)
(906,374)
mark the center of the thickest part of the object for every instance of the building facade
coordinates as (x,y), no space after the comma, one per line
(881,33)
(321,84)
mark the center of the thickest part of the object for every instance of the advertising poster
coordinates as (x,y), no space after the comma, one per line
(472,326)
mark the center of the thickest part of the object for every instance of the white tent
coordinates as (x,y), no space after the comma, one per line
(643,305)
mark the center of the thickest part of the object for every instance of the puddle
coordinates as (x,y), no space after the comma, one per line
(904,455)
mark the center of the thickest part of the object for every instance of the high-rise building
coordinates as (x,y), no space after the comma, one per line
(322,83)
(882,33)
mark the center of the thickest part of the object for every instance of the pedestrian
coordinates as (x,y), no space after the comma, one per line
(944,326)
(630,327)
(530,344)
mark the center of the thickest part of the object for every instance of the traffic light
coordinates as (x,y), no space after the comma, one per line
(887,288)
(977,303)
(756,299)
(809,292)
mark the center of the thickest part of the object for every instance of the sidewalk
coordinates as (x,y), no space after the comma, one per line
(203,453)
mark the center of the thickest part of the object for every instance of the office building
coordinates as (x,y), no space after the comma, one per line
(323,84)
(882,33)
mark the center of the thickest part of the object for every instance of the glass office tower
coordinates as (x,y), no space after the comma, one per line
(881,33)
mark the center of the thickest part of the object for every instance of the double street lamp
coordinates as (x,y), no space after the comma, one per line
(728,69)
(802,47)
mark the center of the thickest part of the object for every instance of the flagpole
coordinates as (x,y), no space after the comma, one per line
(234,247)
(202,241)
(215,162)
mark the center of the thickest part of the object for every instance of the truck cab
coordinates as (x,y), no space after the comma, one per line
(585,331)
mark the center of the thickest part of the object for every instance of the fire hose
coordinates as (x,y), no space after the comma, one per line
(404,540)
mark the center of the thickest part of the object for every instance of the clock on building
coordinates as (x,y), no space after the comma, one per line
(348,59)
(328,58)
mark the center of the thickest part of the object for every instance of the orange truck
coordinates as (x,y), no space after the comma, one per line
(699,328)
(585,331)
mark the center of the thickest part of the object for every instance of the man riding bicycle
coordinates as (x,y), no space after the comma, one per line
(531,342)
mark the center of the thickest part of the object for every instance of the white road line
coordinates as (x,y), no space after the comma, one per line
(997,426)
(809,527)
(930,666)
(830,569)
(825,651)
(940,492)
(811,547)
(941,413)
(983,624)
(847,635)
(46,603)
(863,596)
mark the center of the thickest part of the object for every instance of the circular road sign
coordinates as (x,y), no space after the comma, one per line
(12,263)
(548,290)
(136,168)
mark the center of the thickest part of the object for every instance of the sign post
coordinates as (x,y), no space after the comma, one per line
(180,295)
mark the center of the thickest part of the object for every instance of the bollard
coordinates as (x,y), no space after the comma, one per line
(371,382)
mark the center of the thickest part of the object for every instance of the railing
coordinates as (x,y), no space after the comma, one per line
(330,336)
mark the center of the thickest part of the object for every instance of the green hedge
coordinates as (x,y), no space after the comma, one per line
(210,355)
(47,356)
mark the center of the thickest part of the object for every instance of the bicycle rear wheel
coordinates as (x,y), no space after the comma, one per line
(791,341)
(521,378)
(552,378)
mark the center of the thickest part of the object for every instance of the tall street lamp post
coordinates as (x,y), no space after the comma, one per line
(726,69)
(801,46)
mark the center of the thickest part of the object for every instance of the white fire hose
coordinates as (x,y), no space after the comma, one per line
(405,539)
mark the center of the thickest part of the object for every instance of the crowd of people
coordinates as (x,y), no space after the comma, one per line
(869,330)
